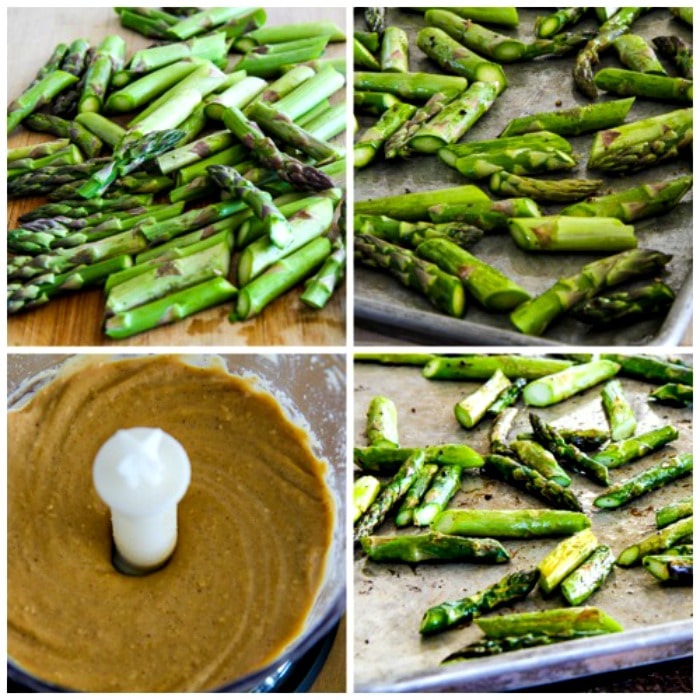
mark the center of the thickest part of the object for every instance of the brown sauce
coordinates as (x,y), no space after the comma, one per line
(254,528)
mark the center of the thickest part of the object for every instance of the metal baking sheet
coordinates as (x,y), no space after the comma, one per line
(381,303)
(390,598)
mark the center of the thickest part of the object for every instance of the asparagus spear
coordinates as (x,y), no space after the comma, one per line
(322,85)
(521,523)
(498,436)
(587,578)
(490,287)
(415,206)
(586,440)
(490,647)
(433,546)
(441,43)
(674,511)
(516,161)
(549,25)
(534,316)
(488,216)
(370,40)
(386,459)
(412,500)
(74,209)
(536,457)
(507,397)
(640,144)
(483,366)
(144,22)
(53,63)
(375,18)
(382,422)
(564,558)
(672,394)
(212,47)
(38,95)
(672,568)
(419,359)
(618,24)
(364,491)
(470,410)
(38,150)
(657,542)
(204,21)
(442,289)
(625,307)
(651,368)
(373,102)
(370,141)
(410,86)
(411,234)
(319,288)
(279,278)
(562,190)
(570,233)
(561,385)
(108,59)
(658,87)
(678,51)
(646,481)
(290,32)
(393,56)
(572,121)
(636,54)
(103,128)
(451,123)
(48,179)
(549,437)
(531,481)
(618,411)
(503,16)
(616,454)
(390,495)
(88,143)
(511,588)
(445,485)
(362,57)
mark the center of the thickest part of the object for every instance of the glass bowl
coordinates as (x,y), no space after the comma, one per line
(312,390)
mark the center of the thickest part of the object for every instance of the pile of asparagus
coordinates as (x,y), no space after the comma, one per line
(418,484)
(187,176)
(420,238)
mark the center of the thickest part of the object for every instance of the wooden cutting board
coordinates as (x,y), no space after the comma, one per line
(76,319)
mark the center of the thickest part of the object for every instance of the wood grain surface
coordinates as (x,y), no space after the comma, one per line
(76,319)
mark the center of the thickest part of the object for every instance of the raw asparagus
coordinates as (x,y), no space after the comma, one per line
(410,86)
(616,454)
(373,102)
(88,143)
(109,58)
(488,216)
(470,410)
(38,95)
(319,288)
(587,578)
(561,190)
(509,589)
(520,523)
(393,55)
(549,25)
(657,87)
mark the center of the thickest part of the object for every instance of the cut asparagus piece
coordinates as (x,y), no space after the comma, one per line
(646,481)
(657,542)
(674,511)
(488,216)
(561,190)
(576,621)
(577,460)
(549,25)
(109,58)
(675,569)
(651,368)
(441,43)
(373,102)
(450,124)
(387,459)
(517,161)
(586,579)
(490,647)
(483,366)
(170,309)
(507,397)
(433,546)
(498,436)
(370,141)
(382,422)
(390,495)
(618,24)
(409,86)
(636,54)
(679,395)
(39,94)
(393,56)
(319,288)
(416,206)
(678,51)
(658,87)
(375,18)
(204,21)
(490,287)
(571,233)
(105,129)
(268,61)
(574,121)
(470,410)
(38,150)
(511,588)
(616,454)
(539,140)
(414,494)
(531,481)
(533,317)
(618,411)
(280,277)
(586,440)
(533,455)
(559,386)
(642,143)
(521,523)
(88,143)
(564,558)
(442,289)
(445,485)
(364,491)
(362,57)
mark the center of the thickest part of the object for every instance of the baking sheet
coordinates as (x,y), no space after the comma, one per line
(390,598)
(381,303)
